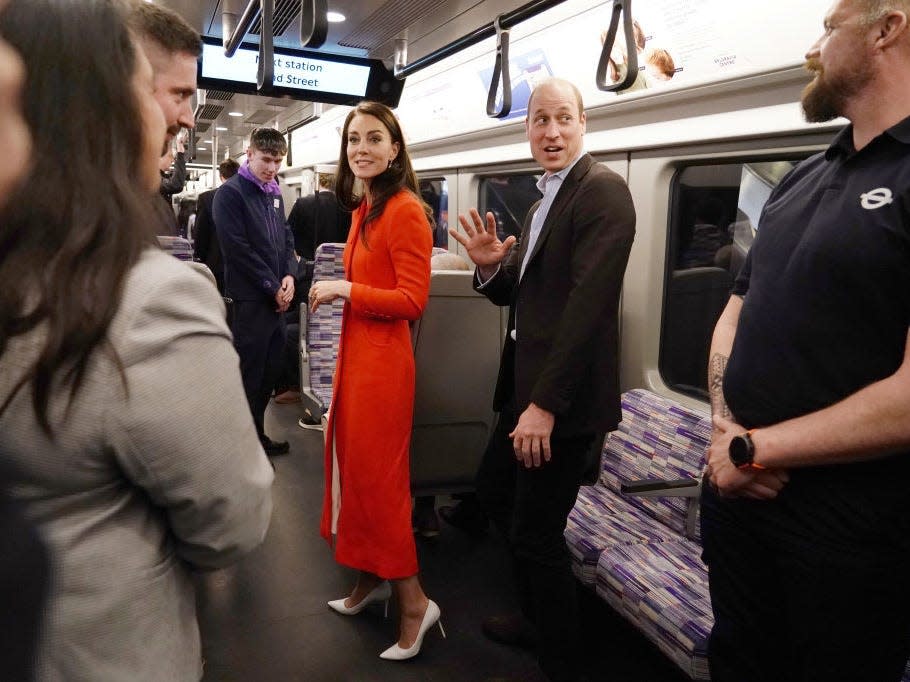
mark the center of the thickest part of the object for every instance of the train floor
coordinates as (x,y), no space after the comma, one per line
(266,620)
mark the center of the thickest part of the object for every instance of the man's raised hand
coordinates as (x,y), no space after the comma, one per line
(480,241)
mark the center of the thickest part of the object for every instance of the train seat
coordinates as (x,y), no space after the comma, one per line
(178,247)
(322,332)
(602,519)
(662,588)
(634,535)
(456,351)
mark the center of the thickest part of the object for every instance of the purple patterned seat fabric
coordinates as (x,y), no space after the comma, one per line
(662,589)
(602,519)
(633,548)
(657,439)
(324,326)
(178,247)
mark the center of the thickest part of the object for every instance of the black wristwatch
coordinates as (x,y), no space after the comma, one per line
(742,451)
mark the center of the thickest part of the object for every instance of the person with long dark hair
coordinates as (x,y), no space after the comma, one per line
(110,350)
(367,505)
(24,562)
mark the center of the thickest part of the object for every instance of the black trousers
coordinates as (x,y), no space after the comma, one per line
(259,335)
(529,507)
(805,590)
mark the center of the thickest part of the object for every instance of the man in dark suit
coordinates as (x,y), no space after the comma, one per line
(206,248)
(558,387)
(259,267)
(318,218)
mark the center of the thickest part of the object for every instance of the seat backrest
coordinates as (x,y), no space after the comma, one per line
(323,328)
(657,439)
(695,299)
(456,351)
(178,247)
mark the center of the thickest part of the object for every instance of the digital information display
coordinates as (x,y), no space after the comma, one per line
(291,71)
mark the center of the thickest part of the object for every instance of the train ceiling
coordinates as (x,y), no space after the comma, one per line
(369,30)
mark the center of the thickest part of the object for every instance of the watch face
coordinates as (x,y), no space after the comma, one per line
(741,452)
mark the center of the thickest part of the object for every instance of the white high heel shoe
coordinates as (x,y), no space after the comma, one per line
(382,592)
(430,618)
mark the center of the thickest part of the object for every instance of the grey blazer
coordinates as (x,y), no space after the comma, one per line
(139,487)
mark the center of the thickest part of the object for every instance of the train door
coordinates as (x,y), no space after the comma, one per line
(698,210)
(435,190)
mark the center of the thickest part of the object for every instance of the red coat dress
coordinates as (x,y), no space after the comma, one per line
(373,399)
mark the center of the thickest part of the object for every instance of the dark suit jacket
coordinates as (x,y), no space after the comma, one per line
(317,219)
(206,248)
(171,185)
(566,357)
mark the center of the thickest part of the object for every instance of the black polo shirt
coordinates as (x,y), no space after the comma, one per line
(826,285)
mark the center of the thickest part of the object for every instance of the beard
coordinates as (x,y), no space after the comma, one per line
(827,96)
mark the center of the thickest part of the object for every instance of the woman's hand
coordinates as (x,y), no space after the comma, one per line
(326,291)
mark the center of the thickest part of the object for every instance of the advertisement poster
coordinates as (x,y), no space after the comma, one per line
(525,72)
(678,43)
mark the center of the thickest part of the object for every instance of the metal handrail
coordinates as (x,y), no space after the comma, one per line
(313,32)
(624,8)
(506,21)
(232,42)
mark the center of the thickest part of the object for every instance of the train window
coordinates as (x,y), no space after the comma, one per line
(714,218)
(435,191)
(508,197)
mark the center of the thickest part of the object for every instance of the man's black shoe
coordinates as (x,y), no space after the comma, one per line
(511,629)
(273,448)
(465,516)
(424,519)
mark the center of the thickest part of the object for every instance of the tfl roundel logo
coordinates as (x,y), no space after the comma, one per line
(876,198)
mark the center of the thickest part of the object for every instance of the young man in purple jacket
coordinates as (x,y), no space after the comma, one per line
(259,267)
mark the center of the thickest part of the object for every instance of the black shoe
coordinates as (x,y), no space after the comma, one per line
(425,521)
(512,629)
(273,448)
(466,517)
(307,422)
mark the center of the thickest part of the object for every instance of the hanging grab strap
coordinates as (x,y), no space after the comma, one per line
(500,74)
(266,72)
(628,72)
(314,26)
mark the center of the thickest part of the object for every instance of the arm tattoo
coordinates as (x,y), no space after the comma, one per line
(716,368)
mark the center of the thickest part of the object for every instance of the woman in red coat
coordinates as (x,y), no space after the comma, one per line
(367,504)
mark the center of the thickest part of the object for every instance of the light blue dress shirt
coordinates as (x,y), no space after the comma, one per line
(548,185)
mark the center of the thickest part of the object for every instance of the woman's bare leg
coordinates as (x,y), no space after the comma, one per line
(412,604)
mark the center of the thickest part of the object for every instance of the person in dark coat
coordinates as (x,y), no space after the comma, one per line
(558,387)
(259,270)
(206,248)
(318,218)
